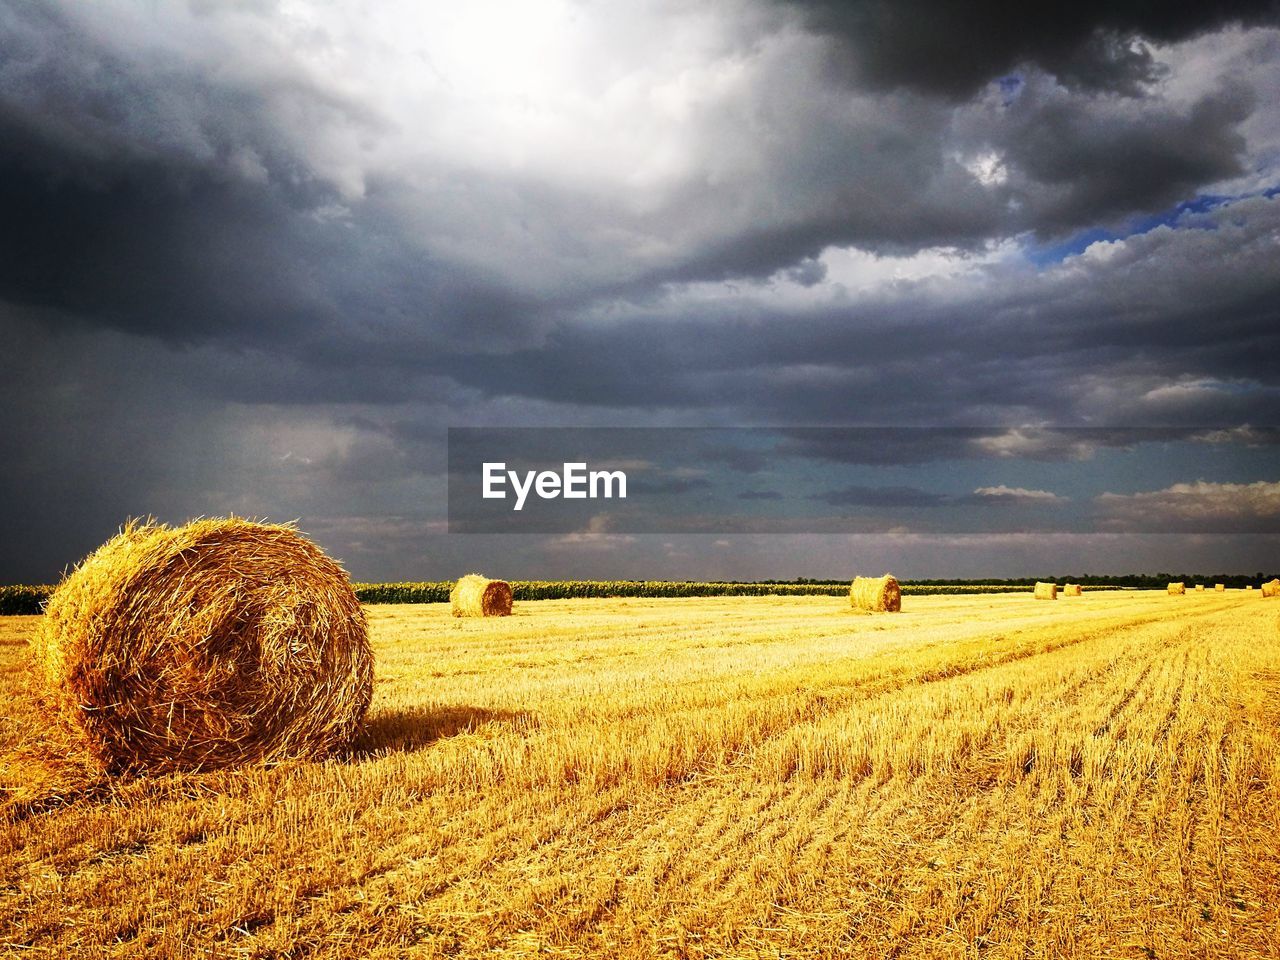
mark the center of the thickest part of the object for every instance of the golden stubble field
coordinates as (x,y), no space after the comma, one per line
(985,776)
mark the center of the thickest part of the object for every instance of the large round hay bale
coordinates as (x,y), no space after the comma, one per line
(1220,587)
(1046,591)
(877,594)
(205,645)
(1072,590)
(477,596)
(1200,587)
(1177,589)
(1271,588)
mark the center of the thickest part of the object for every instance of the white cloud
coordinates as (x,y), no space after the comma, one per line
(590,542)
(1245,434)
(1190,390)
(1200,502)
(1036,442)
(1020,493)
(1251,57)
(987,168)
(860,270)
(841,275)
(1100,251)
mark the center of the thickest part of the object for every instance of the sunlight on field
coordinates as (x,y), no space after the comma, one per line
(734,777)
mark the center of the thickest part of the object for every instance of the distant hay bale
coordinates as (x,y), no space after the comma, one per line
(1271,589)
(1177,589)
(477,596)
(1249,586)
(1220,587)
(1072,590)
(1200,587)
(1046,591)
(877,594)
(215,643)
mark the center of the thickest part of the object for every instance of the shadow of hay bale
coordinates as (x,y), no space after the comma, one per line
(51,792)
(405,731)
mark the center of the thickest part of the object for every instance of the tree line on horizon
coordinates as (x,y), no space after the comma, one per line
(25,599)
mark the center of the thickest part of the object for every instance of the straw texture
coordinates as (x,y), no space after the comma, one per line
(477,596)
(877,594)
(215,643)
(1046,591)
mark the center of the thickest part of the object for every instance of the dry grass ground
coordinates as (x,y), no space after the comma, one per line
(769,777)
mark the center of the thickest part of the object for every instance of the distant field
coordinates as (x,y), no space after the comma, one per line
(978,776)
(438,591)
(25,599)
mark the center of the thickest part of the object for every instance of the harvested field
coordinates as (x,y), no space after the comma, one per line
(731,777)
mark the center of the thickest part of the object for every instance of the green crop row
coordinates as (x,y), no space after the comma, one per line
(25,599)
(438,591)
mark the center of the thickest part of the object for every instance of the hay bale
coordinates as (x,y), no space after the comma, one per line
(877,594)
(1072,590)
(1200,587)
(1177,589)
(1249,586)
(215,643)
(1220,587)
(1271,589)
(1046,591)
(477,596)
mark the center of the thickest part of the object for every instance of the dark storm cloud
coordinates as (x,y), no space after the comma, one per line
(1106,337)
(952,49)
(1195,507)
(167,196)
(907,445)
(232,278)
(1246,434)
(1075,160)
(738,458)
(897,172)
(133,193)
(100,426)
(864,496)
(666,485)
(878,446)
(157,196)
(762,495)
(891,497)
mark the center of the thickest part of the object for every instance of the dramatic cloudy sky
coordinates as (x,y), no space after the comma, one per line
(258,256)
